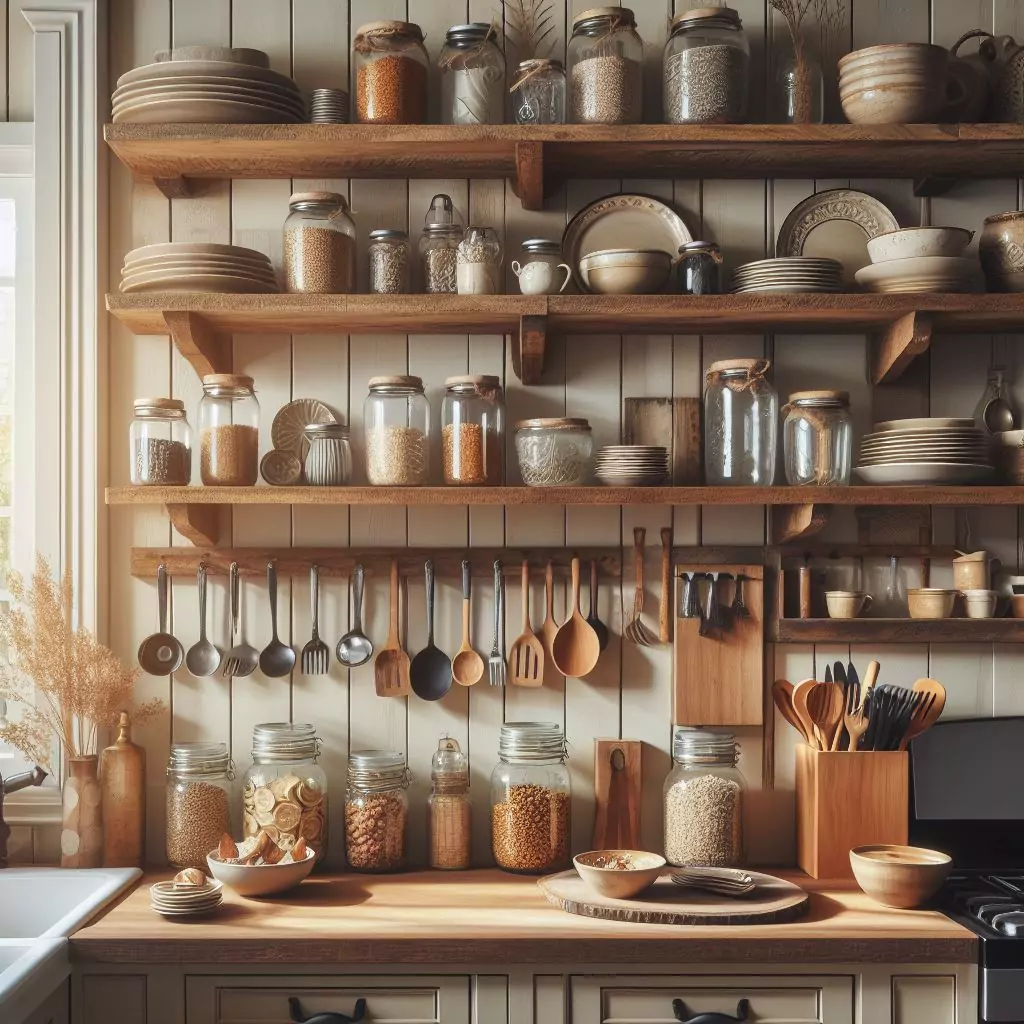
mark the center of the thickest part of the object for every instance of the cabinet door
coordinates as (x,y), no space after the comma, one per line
(56,1009)
(920,999)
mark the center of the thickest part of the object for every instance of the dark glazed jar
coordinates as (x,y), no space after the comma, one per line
(699,270)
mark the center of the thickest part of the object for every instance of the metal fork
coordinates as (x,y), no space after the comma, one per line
(497,671)
(315,655)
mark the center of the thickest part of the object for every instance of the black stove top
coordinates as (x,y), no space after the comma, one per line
(991,906)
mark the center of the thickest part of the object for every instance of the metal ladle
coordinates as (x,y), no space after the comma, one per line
(277,659)
(160,654)
(355,647)
(203,658)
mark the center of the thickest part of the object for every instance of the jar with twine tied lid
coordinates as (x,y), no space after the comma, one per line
(538,91)
(605,57)
(817,438)
(472,69)
(391,65)
(741,412)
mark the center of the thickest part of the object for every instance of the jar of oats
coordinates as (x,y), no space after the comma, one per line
(376,807)
(199,785)
(396,428)
(319,244)
(530,795)
(473,430)
(229,431)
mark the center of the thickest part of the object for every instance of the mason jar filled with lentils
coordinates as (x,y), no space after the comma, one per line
(229,431)
(161,442)
(396,425)
(606,58)
(376,807)
(473,430)
(199,785)
(319,244)
(391,65)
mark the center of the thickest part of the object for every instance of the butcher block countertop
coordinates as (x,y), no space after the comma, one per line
(487,917)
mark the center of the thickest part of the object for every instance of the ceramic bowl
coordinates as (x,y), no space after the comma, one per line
(626,271)
(1001,251)
(930,603)
(899,876)
(980,604)
(880,102)
(925,55)
(846,604)
(909,242)
(619,883)
(262,880)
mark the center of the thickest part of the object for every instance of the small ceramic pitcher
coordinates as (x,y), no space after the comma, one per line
(540,277)
(971,571)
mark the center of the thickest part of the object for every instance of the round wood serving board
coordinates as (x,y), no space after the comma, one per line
(773,901)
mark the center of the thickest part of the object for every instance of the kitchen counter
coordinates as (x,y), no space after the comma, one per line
(487,917)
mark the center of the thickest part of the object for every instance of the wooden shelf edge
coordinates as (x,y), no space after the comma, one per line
(875,631)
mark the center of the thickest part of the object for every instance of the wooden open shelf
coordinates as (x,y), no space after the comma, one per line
(893,631)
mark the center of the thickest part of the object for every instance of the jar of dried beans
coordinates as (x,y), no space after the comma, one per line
(284,792)
(472,69)
(473,430)
(530,795)
(818,438)
(160,442)
(391,73)
(478,262)
(319,244)
(439,245)
(199,784)
(396,426)
(605,57)
(229,431)
(376,807)
(388,256)
(449,811)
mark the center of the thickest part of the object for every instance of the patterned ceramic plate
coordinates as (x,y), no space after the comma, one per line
(288,429)
(281,469)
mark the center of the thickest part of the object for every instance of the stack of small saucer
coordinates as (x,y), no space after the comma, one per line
(631,465)
(197,267)
(328,106)
(787,274)
(174,899)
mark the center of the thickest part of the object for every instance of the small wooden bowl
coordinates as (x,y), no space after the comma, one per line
(619,883)
(899,876)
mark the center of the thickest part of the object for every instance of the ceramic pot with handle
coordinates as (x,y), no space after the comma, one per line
(1006,62)
(970,82)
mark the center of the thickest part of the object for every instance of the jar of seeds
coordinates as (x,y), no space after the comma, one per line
(388,255)
(229,431)
(538,91)
(160,442)
(319,244)
(472,69)
(199,784)
(473,431)
(442,233)
(396,425)
(449,810)
(706,69)
(391,66)
(704,801)
(606,57)
(376,808)
(478,262)
(329,459)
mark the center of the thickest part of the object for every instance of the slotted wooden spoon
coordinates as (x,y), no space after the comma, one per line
(391,667)
(924,720)
(526,659)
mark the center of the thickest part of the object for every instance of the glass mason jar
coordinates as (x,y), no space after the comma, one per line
(472,69)
(741,413)
(699,270)
(199,785)
(542,271)
(706,68)
(473,430)
(160,442)
(392,68)
(229,431)
(449,809)
(329,459)
(376,808)
(538,91)
(800,89)
(439,244)
(319,244)
(388,256)
(396,425)
(817,438)
(554,452)
(478,262)
(605,56)
(284,792)
(704,801)
(530,795)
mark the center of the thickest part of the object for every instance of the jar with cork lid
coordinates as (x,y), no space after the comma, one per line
(817,438)
(396,425)
(538,91)
(472,69)
(449,811)
(199,786)
(229,431)
(605,56)
(439,245)
(160,440)
(376,808)
(473,430)
(391,66)
(319,244)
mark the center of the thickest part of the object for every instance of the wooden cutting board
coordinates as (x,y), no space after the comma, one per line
(774,901)
(617,791)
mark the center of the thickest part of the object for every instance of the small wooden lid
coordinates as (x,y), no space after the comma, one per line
(843,397)
(408,28)
(622,14)
(228,380)
(481,380)
(554,423)
(317,197)
(699,13)
(396,381)
(724,365)
(160,403)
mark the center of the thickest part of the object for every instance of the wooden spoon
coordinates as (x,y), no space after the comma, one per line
(922,722)
(467,665)
(799,700)
(825,707)
(782,694)
(576,646)
(548,628)
(391,667)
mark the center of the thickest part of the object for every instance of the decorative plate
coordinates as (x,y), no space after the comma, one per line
(288,431)
(281,469)
(923,473)
(928,423)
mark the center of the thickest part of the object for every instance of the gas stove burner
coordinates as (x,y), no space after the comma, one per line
(1011,923)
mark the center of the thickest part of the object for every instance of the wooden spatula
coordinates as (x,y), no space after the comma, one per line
(929,715)
(526,659)
(391,668)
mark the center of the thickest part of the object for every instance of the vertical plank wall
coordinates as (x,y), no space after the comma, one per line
(586,376)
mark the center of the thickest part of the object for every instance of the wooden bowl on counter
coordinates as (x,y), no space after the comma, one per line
(899,876)
(619,874)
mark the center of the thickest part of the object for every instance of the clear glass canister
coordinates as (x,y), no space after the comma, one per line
(800,89)
(472,69)
(229,431)
(160,442)
(329,459)
(741,413)
(530,798)
(319,244)
(473,430)
(391,66)
(478,262)
(439,245)
(554,452)
(699,269)
(388,256)
(606,58)
(538,91)
(284,792)
(449,810)
(541,271)
(706,68)
(396,425)
(817,438)
(199,785)
(376,808)
(704,801)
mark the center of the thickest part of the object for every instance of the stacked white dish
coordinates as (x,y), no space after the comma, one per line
(631,465)
(928,450)
(329,106)
(789,274)
(197,267)
(173,899)
(928,259)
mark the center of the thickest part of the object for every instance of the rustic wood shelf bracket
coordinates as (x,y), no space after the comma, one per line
(528,350)
(528,183)
(207,351)
(895,349)
(795,522)
(174,188)
(199,524)
(933,185)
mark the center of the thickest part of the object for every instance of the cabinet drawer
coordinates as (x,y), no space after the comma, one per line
(780,999)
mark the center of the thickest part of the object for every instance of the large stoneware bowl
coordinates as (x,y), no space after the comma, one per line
(899,83)
(899,876)
(1001,250)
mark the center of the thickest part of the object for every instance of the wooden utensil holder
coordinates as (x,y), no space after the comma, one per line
(846,799)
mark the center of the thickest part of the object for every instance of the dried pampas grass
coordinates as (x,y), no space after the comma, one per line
(528,23)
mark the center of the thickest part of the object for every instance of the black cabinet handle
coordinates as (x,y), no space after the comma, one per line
(358,1013)
(742,1014)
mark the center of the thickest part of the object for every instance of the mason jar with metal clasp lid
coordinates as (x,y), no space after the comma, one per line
(473,430)
(741,414)
(817,438)
(472,69)
(699,269)
(439,246)
(329,459)
(160,442)
(605,57)
(319,244)
(376,808)
(199,787)
(391,66)
(229,431)
(538,91)
(396,432)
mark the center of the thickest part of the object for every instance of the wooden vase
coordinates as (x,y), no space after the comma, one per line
(123,782)
(81,838)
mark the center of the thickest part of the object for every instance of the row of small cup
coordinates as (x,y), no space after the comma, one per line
(923,603)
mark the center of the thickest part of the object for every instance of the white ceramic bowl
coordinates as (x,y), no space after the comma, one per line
(626,271)
(910,242)
(262,880)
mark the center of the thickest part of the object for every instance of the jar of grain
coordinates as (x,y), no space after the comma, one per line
(160,442)
(376,807)
(472,69)
(199,785)
(449,811)
(319,244)
(706,68)
(554,451)
(741,413)
(473,431)
(284,791)
(329,459)
(538,91)
(478,262)
(817,438)
(391,66)
(229,431)
(704,801)
(605,57)
(530,795)
(388,256)
(396,425)
(439,244)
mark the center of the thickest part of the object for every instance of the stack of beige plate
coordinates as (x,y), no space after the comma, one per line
(631,465)
(207,84)
(929,450)
(171,899)
(928,259)
(196,267)
(790,274)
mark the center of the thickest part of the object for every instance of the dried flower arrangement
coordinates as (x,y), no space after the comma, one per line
(528,23)
(829,15)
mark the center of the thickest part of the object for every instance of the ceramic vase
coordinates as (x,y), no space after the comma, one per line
(81,837)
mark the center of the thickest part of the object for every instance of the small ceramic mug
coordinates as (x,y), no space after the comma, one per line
(539,277)
(846,604)
(980,604)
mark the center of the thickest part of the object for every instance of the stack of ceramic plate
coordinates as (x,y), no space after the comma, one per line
(208,84)
(196,267)
(631,465)
(328,106)
(171,899)
(790,274)
(929,450)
